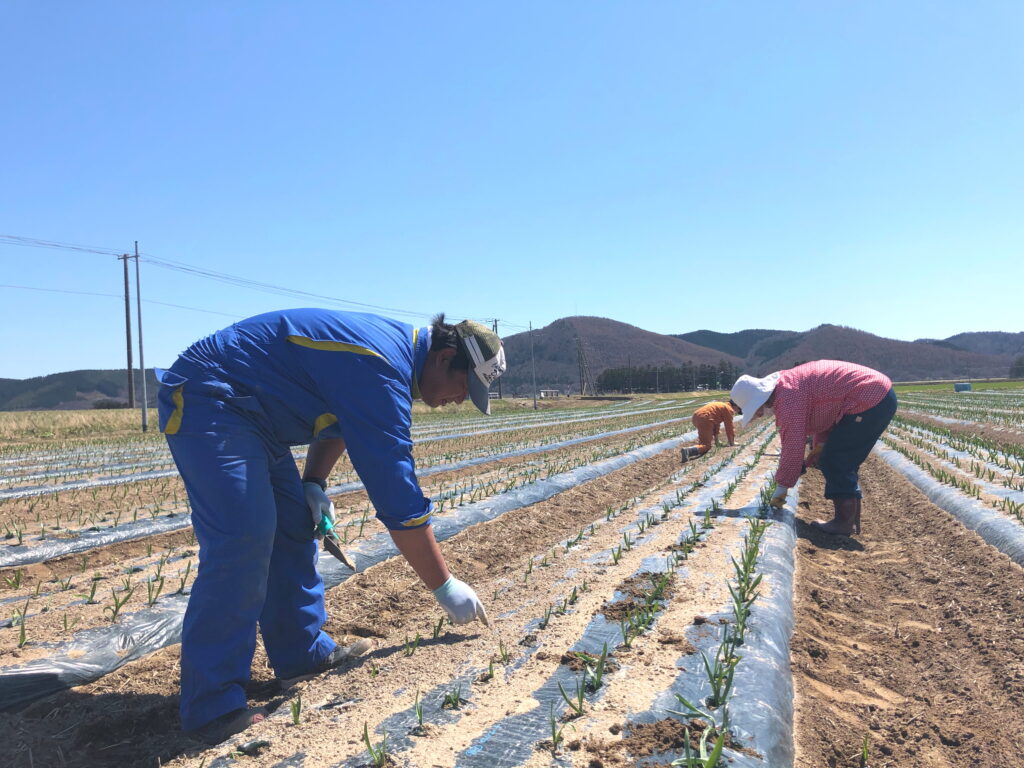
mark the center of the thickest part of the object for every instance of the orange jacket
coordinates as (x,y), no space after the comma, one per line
(715,414)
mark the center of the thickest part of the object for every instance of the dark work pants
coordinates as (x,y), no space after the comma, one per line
(849,444)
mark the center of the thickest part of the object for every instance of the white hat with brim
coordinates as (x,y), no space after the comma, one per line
(486,361)
(750,393)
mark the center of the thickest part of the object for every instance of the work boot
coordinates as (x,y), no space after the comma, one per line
(690,453)
(334,659)
(227,725)
(846,520)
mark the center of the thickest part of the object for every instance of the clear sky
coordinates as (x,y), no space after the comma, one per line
(674,165)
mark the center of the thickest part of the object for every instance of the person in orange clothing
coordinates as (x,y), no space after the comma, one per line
(708,420)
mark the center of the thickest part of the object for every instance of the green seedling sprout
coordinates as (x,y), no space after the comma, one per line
(596,672)
(489,674)
(184,579)
(418,708)
(14,580)
(504,653)
(410,647)
(546,619)
(575,703)
(453,699)
(378,754)
(438,627)
(556,731)
(153,590)
(90,599)
(295,705)
(703,759)
(22,617)
(68,627)
(115,609)
(616,555)
(627,635)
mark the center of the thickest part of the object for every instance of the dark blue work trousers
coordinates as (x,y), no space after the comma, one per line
(257,563)
(849,444)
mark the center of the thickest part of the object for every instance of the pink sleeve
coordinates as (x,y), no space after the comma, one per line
(791,418)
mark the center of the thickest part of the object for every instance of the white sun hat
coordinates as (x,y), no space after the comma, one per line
(750,393)
(487,360)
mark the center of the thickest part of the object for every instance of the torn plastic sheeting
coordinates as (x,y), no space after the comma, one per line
(538,420)
(949,420)
(54,548)
(510,742)
(379,547)
(20,555)
(22,492)
(94,469)
(398,726)
(939,441)
(92,653)
(603,417)
(1000,531)
(426,472)
(761,704)
(39,490)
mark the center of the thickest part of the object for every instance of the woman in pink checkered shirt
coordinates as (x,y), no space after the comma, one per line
(844,407)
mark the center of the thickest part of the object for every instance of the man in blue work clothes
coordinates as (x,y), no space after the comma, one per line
(231,407)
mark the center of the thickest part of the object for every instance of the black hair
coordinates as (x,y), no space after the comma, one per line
(444,336)
(739,411)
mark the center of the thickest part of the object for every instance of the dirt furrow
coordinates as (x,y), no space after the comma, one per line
(129,717)
(911,636)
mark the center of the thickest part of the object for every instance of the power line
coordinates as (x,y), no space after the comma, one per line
(257,285)
(116,296)
(222,277)
(32,242)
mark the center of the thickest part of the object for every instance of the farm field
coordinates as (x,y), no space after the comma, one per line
(640,609)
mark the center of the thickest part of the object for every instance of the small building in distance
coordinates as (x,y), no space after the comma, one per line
(546,393)
(962,387)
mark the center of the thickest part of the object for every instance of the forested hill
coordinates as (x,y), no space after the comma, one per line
(631,358)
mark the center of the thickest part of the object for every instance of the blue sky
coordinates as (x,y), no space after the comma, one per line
(673,165)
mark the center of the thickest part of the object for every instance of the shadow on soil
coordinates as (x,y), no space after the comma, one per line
(106,730)
(820,539)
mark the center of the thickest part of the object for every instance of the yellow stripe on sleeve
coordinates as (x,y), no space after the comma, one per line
(174,421)
(333,346)
(323,421)
(417,520)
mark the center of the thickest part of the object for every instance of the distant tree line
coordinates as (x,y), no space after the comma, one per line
(684,378)
(1017,368)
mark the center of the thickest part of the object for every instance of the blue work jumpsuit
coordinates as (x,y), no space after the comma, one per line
(231,406)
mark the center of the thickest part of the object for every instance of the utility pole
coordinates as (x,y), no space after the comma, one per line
(495,327)
(533,365)
(142,364)
(128,332)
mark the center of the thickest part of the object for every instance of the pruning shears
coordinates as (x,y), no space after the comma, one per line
(325,528)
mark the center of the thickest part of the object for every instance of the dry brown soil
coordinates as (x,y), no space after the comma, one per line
(911,635)
(130,717)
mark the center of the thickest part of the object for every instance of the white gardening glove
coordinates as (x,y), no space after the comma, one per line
(460,602)
(779,497)
(320,507)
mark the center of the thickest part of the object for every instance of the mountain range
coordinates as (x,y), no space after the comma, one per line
(605,343)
